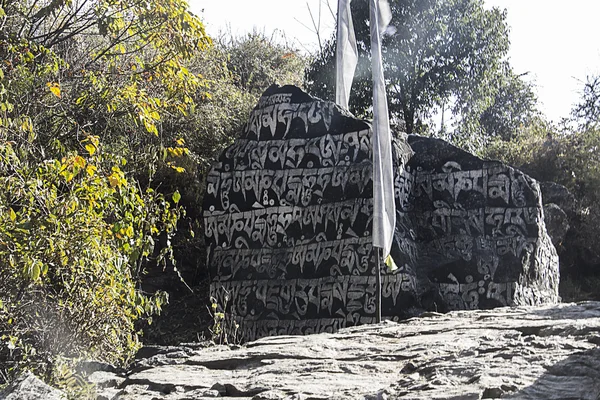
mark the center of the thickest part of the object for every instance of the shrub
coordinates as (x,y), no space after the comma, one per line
(73,235)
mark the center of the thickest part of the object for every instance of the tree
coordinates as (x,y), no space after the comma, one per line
(444,52)
(514,105)
(586,113)
(84,86)
(258,61)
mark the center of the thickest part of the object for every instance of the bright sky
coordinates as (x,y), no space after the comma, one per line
(556,42)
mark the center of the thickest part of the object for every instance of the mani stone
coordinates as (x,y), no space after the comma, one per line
(288,214)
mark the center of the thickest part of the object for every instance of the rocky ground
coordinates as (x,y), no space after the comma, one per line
(550,352)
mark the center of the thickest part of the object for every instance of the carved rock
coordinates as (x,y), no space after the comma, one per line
(288,217)
(472,231)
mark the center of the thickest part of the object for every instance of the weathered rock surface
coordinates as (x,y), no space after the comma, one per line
(288,218)
(471,231)
(557,224)
(29,387)
(546,352)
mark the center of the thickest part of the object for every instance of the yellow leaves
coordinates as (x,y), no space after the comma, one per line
(91,170)
(92,144)
(54,88)
(70,167)
(113,180)
(178,151)
(176,168)
(79,162)
(35,270)
(123,232)
(12,214)
(91,149)
(117,178)
(27,125)
(119,48)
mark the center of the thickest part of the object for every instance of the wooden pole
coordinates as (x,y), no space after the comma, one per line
(378,284)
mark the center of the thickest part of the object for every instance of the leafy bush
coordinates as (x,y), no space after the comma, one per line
(85,86)
(73,234)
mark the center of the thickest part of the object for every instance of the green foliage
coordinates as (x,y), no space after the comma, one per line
(511,108)
(73,233)
(514,105)
(444,52)
(86,90)
(111,112)
(224,328)
(73,384)
(587,112)
(257,62)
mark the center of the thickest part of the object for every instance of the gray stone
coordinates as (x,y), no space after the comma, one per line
(472,231)
(29,387)
(104,379)
(544,352)
(557,224)
(288,214)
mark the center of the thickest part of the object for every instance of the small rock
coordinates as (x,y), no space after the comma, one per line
(270,395)
(408,368)
(104,379)
(211,393)
(492,393)
(30,387)
(595,340)
(219,388)
(109,394)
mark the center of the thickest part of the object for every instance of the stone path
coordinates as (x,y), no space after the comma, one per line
(549,352)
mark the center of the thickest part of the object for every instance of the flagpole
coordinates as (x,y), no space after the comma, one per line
(384,212)
(378,282)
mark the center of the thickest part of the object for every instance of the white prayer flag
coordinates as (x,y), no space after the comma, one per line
(384,209)
(346,54)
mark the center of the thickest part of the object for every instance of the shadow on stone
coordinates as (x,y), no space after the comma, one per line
(577,377)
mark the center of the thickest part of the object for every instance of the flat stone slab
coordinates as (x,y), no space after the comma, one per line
(546,352)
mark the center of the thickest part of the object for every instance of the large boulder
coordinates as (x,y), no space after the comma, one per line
(288,219)
(472,231)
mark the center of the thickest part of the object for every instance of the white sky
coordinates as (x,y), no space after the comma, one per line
(558,43)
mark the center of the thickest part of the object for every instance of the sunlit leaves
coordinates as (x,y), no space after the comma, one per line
(54,88)
(117,177)
(58,247)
